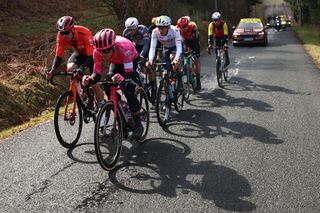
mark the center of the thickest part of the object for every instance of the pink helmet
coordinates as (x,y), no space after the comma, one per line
(65,23)
(104,39)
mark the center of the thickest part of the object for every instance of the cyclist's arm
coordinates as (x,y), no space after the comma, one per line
(153,45)
(97,68)
(59,53)
(146,42)
(225,29)
(210,33)
(178,44)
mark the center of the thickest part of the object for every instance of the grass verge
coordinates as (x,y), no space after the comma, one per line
(310,37)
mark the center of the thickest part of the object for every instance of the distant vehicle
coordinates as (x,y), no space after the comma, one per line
(250,31)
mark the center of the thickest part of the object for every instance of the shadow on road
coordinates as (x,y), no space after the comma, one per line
(161,166)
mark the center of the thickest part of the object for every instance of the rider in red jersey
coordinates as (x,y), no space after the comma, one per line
(79,39)
(191,37)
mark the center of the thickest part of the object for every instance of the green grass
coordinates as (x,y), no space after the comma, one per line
(310,36)
(27,27)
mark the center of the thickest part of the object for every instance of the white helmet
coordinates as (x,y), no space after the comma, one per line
(131,23)
(216,16)
(163,21)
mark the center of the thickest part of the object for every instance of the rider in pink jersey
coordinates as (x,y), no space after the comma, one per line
(123,57)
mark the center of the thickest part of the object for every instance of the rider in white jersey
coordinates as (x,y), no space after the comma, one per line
(170,38)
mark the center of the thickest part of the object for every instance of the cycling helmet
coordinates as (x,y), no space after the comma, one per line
(104,39)
(131,23)
(154,20)
(163,21)
(65,23)
(216,16)
(183,22)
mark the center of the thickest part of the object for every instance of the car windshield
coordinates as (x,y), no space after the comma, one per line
(250,25)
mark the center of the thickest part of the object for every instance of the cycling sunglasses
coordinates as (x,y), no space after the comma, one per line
(162,27)
(65,32)
(106,51)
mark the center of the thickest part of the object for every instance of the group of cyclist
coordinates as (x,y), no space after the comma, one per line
(137,43)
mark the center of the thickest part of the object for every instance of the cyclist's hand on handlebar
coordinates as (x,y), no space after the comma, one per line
(49,75)
(142,59)
(175,64)
(149,63)
(78,73)
(117,78)
(86,80)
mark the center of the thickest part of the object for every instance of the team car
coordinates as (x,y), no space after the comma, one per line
(250,31)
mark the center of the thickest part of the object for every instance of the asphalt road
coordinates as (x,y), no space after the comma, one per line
(252,146)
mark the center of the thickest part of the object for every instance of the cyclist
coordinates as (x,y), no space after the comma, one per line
(139,35)
(123,57)
(191,36)
(219,30)
(153,24)
(80,39)
(169,37)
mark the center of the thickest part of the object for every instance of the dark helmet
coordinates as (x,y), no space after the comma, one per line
(65,23)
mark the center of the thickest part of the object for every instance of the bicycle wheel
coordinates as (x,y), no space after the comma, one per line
(144,112)
(225,69)
(218,72)
(68,125)
(179,99)
(186,81)
(108,137)
(163,104)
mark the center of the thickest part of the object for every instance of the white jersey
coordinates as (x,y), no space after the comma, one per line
(172,39)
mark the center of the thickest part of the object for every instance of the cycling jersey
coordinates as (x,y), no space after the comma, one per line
(124,53)
(191,33)
(140,37)
(169,41)
(81,43)
(218,31)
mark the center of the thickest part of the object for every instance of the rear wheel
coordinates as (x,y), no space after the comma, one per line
(179,99)
(163,104)
(108,137)
(144,112)
(68,125)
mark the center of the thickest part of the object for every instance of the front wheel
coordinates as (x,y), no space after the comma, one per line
(108,137)
(68,120)
(163,103)
(144,112)
(186,82)
(219,73)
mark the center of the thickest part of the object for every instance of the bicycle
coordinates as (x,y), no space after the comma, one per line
(189,76)
(149,88)
(168,93)
(221,69)
(72,108)
(117,122)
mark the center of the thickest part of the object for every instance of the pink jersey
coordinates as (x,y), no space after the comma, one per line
(124,53)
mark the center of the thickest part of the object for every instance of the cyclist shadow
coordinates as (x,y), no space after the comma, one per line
(219,98)
(82,154)
(197,123)
(163,168)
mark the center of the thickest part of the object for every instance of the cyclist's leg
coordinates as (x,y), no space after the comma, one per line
(225,45)
(195,47)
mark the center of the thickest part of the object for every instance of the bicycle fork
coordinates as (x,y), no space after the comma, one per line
(73,89)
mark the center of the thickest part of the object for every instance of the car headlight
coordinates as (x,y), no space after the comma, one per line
(261,33)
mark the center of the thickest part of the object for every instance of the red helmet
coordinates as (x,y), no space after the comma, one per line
(104,39)
(183,22)
(65,23)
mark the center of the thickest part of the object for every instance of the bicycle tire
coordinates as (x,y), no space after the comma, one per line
(144,112)
(186,82)
(219,73)
(63,133)
(162,106)
(108,139)
(179,99)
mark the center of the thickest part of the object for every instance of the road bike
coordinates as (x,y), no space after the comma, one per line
(189,76)
(167,94)
(221,69)
(149,88)
(114,122)
(72,108)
